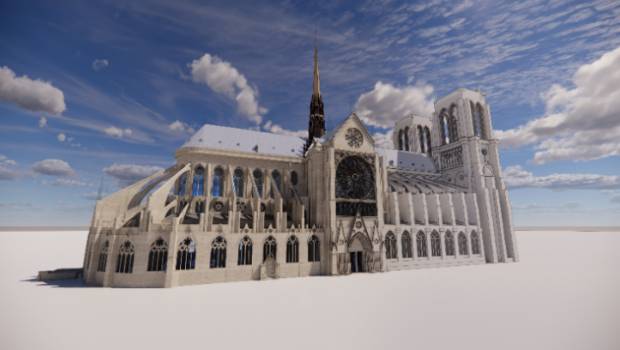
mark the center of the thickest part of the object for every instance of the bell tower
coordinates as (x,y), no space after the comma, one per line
(466,153)
(316,125)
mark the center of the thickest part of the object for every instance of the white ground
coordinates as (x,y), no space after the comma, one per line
(564,294)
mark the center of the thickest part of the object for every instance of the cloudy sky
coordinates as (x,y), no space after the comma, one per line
(103,93)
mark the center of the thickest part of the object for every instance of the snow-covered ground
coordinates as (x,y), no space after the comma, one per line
(564,294)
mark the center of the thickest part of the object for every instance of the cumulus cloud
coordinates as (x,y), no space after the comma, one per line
(7,168)
(100,64)
(517,177)
(181,127)
(386,103)
(53,167)
(130,173)
(580,123)
(42,122)
(61,137)
(117,132)
(277,129)
(225,79)
(33,95)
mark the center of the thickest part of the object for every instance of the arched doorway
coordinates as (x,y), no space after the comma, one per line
(360,249)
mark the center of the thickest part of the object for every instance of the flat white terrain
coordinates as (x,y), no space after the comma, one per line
(563,294)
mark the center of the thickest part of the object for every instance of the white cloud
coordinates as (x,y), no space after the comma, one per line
(53,167)
(581,123)
(33,95)
(100,64)
(65,182)
(225,79)
(277,129)
(7,170)
(386,103)
(384,139)
(517,177)
(117,132)
(61,137)
(130,173)
(181,127)
(42,122)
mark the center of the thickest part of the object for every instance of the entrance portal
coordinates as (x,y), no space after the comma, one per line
(357,261)
(359,248)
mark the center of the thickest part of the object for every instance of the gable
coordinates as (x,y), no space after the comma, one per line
(352,135)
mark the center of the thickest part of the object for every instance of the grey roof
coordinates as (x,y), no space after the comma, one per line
(403,181)
(407,160)
(243,140)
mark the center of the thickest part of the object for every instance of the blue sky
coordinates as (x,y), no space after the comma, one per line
(106,91)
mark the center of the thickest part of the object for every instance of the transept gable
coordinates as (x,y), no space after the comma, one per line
(352,135)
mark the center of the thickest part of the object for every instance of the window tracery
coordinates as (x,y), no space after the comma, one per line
(245,252)
(314,249)
(218,253)
(390,246)
(406,245)
(103,257)
(435,244)
(124,261)
(186,255)
(421,244)
(292,250)
(158,256)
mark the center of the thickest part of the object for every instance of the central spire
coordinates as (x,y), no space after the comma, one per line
(316,125)
(316,81)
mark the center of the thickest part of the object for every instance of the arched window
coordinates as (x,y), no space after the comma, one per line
(462,244)
(217,186)
(218,253)
(477,116)
(198,186)
(421,139)
(452,125)
(421,243)
(277,179)
(186,255)
(405,241)
(407,139)
(475,243)
(238,182)
(294,178)
(158,256)
(269,248)
(258,179)
(181,184)
(292,250)
(314,249)
(400,140)
(245,252)
(390,246)
(124,261)
(435,244)
(443,127)
(449,243)
(427,139)
(103,257)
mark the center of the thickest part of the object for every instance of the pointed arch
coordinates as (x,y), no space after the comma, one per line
(186,255)
(427,139)
(390,246)
(475,242)
(400,140)
(435,244)
(217,184)
(314,249)
(218,253)
(406,246)
(244,257)
(270,248)
(421,139)
(444,130)
(238,182)
(198,184)
(124,260)
(449,243)
(258,180)
(421,244)
(462,241)
(453,134)
(407,138)
(158,256)
(181,182)
(292,249)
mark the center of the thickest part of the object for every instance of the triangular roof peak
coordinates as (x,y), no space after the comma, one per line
(351,119)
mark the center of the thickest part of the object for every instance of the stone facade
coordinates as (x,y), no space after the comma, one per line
(245,205)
